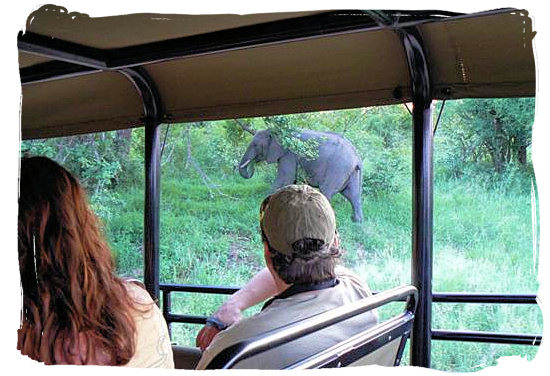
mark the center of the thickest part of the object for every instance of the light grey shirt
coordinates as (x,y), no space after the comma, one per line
(291,309)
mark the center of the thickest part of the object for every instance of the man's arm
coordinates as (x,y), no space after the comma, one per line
(259,288)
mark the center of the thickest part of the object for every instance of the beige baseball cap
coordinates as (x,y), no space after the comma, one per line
(297,212)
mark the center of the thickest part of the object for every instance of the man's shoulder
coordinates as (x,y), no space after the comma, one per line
(290,309)
(258,323)
(352,280)
(277,314)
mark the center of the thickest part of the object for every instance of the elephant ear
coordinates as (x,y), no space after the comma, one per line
(274,150)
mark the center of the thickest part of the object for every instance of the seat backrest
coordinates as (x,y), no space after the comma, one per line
(186,357)
(380,344)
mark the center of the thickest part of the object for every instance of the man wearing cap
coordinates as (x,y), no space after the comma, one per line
(301,249)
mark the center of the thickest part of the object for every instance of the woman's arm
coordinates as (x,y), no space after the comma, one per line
(261,287)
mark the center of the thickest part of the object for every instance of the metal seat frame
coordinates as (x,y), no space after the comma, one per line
(342,354)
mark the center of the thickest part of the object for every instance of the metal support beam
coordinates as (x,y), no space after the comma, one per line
(488,337)
(62,50)
(422,195)
(151,225)
(91,59)
(167,308)
(153,111)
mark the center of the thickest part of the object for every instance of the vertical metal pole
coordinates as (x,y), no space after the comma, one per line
(422,197)
(153,113)
(167,308)
(421,268)
(152,212)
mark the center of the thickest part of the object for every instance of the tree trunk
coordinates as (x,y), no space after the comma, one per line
(522,155)
(499,144)
(123,140)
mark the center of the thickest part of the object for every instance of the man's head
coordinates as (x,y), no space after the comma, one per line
(299,228)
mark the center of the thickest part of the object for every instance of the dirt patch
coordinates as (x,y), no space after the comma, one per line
(240,253)
(361,252)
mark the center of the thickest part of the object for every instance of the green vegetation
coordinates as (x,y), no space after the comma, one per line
(483,238)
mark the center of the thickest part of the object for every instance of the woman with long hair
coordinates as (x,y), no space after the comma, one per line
(75,309)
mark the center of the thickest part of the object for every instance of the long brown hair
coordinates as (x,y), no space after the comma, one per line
(75,309)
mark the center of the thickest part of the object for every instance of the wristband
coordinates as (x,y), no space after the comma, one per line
(218,324)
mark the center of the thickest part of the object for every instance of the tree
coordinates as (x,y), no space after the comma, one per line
(493,131)
(93,158)
(123,141)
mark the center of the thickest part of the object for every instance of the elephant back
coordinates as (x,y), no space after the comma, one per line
(333,144)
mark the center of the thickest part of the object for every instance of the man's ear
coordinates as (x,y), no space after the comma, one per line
(267,257)
(336,240)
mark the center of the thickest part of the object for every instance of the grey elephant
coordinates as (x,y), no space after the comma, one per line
(337,167)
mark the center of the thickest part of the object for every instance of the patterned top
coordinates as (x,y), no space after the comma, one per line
(153,348)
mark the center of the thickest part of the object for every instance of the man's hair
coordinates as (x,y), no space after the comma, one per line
(312,261)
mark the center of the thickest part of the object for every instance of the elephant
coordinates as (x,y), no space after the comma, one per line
(337,168)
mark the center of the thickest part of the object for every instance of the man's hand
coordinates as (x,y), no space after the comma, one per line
(206,335)
(229,313)
(261,287)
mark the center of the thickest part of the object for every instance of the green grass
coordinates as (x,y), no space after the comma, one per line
(482,243)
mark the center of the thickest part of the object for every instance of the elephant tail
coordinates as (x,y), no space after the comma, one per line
(359,174)
(355,178)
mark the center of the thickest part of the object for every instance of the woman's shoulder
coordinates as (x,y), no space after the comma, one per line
(136,289)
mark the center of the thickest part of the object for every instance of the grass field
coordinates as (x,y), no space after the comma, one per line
(483,242)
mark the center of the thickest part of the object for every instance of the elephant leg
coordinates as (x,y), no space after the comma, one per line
(286,173)
(328,190)
(353,193)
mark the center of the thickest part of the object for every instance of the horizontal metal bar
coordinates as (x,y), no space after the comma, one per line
(464,297)
(421,14)
(487,337)
(287,30)
(439,297)
(220,41)
(205,289)
(195,45)
(53,70)
(59,49)
(399,294)
(443,335)
(185,319)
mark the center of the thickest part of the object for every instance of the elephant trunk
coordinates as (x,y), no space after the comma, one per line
(246,167)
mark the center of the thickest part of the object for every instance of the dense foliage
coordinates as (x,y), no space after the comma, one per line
(209,235)
(487,139)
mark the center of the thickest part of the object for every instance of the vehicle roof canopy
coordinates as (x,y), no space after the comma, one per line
(208,67)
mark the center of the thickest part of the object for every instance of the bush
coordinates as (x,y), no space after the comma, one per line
(385,170)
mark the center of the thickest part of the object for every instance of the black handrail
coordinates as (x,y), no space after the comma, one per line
(486,298)
(487,337)
(438,297)
(206,289)
(437,334)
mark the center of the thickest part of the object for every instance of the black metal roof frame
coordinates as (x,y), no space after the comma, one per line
(71,59)
(76,59)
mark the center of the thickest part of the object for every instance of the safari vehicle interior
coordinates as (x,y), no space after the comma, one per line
(77,78)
